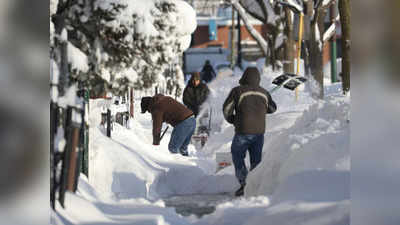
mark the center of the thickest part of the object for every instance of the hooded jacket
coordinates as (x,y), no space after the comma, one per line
(193,96)
(208,73)
(247,104)
(166,109)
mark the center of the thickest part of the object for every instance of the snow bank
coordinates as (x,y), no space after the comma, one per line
(129,166)
(257,210)
(85,208)
(319,140)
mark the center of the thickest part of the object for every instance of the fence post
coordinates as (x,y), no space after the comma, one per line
(65,157)
(70,156)
(53,180)
(74,157)
(108,123)
(85,135)
(132,102)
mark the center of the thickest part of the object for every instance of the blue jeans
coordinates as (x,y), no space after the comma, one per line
(240,144)
(181,136)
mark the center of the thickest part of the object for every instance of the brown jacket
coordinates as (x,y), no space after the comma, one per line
(166,109)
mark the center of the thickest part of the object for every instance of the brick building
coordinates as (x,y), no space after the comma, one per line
(217,17)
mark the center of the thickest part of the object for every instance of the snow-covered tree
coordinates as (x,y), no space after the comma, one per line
(114,44)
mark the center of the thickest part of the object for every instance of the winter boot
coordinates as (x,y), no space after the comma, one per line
(184,153)
(240,191)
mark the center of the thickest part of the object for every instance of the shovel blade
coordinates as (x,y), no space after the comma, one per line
(290,81)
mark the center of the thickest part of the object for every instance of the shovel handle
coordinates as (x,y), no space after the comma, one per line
(162,135)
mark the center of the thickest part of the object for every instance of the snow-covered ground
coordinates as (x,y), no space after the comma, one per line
(304,177)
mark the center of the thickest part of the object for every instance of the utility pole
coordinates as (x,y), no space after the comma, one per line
(332,13)
(233,39)
(239,59)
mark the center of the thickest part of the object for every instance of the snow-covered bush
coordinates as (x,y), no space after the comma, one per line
(126,42)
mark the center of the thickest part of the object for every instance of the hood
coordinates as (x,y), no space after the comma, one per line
(251,76)
(148,102)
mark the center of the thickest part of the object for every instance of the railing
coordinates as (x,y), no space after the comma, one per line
(69,160)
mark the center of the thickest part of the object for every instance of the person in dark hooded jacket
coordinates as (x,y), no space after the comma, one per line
(245,107)
(195,93)
(207,73)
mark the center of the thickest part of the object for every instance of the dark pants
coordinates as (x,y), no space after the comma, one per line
(240,144)
(181,136)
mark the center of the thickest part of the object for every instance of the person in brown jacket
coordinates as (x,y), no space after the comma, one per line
(166,109)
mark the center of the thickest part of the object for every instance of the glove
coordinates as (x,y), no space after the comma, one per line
(230,119)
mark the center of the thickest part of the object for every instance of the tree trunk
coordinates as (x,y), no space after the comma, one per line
(271,57)
(344,10)
(306,43)
(290,49)
(316,53)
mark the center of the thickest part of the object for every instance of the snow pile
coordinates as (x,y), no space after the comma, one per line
(86,208)
(129,166)
(319,140)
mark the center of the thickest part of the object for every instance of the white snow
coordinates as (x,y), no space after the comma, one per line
(295,4)
(70,99)
(318,36)
(54,77)
(64,35)
(186,20)
(302,179)
(77,59)
(332,29)
(299,148)
(53,6)
(326,2)
(279,40)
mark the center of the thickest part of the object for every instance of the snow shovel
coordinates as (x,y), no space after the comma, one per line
(162,135)
(288,80)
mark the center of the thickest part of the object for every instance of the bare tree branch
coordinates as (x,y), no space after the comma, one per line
(242,13)
(246,7)
(331,30)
